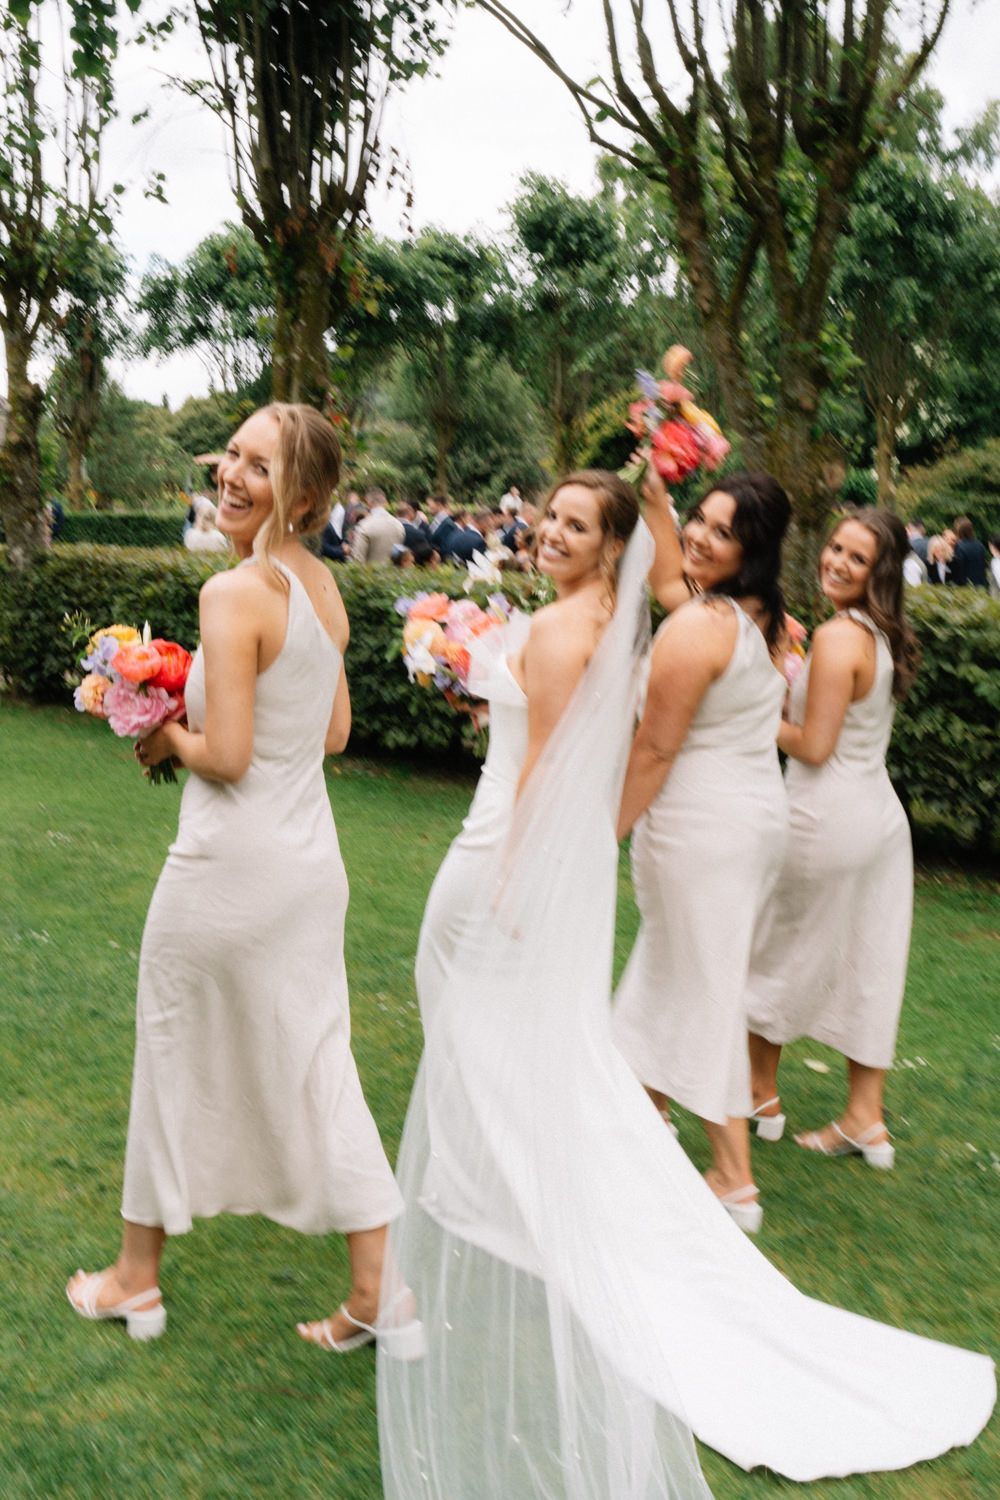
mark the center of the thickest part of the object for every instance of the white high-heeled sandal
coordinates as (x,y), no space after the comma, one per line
(768,1127)
(405,1341)
(878,1154)
(140,1322)
(744,1208)
(664,1115)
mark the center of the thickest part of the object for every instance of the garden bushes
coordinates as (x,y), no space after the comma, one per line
(945,754)
(122,529)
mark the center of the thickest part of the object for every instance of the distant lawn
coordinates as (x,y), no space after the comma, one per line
(230,1403)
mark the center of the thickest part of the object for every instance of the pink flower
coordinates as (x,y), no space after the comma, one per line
(674,394)
(465,618)
(714,447)
(136,662)
(133,713)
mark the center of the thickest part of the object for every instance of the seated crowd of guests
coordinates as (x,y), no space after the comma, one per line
(956,556)
(366,530)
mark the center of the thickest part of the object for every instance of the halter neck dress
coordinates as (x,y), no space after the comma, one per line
(830,956)
(245,1094)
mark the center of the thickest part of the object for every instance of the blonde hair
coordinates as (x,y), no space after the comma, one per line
(305,466)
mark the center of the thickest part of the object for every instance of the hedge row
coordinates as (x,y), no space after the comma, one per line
(121,529)
(945,755)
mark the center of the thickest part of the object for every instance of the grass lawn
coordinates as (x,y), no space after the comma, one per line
(230,1402)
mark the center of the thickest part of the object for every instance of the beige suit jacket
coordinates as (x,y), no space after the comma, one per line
(375,536)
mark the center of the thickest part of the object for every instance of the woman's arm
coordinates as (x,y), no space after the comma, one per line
(553,663)
(689,655)
(666,576)
(338,730)
(230,615)
(840,653)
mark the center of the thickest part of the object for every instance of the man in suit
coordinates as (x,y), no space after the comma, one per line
(968,563)
(472,538)
(917,533)
(375,536)
(415,530)
(442,531)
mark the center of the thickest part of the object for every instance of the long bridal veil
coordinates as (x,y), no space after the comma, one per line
(523,1393)
(588,1303)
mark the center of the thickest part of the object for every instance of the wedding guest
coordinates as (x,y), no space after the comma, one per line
(830,956)
(510,501)
(994,575)
(415,529)
(331,543)
(204,535)
(916,532)
(938,560)
(245,1095)
(585,1296)
(970,558)
(704,792)
(441,528)
(472,539)
(375,536)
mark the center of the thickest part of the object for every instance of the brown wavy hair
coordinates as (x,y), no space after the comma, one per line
(618,507)
(884,592)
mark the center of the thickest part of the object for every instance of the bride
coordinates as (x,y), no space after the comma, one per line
(588,1303)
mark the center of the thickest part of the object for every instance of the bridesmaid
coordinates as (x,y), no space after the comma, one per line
(704,790)
(830,958)
(245,1095)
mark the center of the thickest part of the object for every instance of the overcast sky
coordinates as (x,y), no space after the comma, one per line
(491,113)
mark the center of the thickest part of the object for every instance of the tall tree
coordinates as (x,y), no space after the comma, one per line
(88,330)
(44,219)
(808,96)
(302,89)
(218,303)
(443,303)
(579,324)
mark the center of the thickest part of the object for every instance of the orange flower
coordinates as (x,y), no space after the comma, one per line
(427,632)
(457,657)
(434,607)
(136,663)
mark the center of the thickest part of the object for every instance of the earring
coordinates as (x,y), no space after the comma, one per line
(291,528)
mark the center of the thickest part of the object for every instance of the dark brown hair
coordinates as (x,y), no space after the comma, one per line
(884,591)
(964,529)
(760,520)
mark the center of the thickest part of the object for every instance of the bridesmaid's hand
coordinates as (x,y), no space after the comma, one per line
(156,747)
(654,491)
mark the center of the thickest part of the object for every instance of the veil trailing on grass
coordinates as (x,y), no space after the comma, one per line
(588,1302)
(532,1381)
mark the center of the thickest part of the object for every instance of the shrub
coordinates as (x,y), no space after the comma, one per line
(965,483)
(860,488)
(945,753)
(123,529)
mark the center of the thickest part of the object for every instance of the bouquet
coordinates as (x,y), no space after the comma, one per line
(680,436)
(438,633)
(795,655)
(135,683)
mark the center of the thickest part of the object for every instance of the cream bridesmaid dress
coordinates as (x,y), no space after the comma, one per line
(830,956)
(705,857)
(245,1094)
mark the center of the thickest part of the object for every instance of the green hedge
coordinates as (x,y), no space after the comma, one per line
(964,483)
(945,754)
(123,529)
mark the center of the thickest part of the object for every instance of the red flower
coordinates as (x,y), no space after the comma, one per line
(175,664)
(675,451)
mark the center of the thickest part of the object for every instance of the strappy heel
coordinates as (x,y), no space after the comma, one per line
(878,1154)
(744,1208)
(140,1323)
(406,1341)
(664,1115)
(768,1127)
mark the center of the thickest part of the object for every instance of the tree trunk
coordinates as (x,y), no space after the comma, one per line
(300,362)
(885,451)
(75,482)
(20,462)
(444,438)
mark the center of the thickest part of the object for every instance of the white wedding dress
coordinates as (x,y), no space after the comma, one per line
(588,1303)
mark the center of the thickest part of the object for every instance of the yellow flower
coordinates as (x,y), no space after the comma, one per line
(126,634)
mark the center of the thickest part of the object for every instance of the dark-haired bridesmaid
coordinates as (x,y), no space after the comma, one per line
(831,953)
(704,792)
